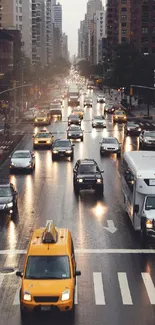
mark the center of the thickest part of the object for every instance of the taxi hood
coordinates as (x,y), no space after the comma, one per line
(46,287)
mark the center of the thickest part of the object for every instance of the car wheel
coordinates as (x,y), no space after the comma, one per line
(99,190)
(144,239)
(34,147)
(72,157)
(76,190)
(118,154)
(93,126)
(82,139)
(53,157)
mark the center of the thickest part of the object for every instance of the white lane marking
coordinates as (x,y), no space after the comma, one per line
(147,124)
(98,288)
(16,298)
(124,287)
(76,293)
(153,124)
(111,227)
(48,221)
(91,251)
(150,288)
(1,279)
(141,124)
(118,173)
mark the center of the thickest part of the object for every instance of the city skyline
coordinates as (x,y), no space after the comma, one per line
(73,12)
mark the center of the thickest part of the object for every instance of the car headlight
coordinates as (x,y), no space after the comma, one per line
(48,141)
(55,151)
(10,205)
(99,180)
(124,117)
(149,224)
(139,129)
(81,134)
(68,151)
(146,140)
(36,120)
(44,119)
(80,180)
(69,120)
(27,296)
(65,295)
(12,163)
(69,134)
(128,129)
(35,141)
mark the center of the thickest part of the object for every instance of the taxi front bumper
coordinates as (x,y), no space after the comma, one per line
(61,306)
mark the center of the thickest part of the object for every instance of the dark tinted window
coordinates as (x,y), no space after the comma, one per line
(87,169)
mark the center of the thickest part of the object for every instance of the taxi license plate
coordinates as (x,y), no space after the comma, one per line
(45,308)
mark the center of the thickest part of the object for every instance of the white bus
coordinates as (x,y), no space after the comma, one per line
(138,186)
(73,95)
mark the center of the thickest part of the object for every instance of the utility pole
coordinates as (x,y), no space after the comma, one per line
(15,100)
(22,87)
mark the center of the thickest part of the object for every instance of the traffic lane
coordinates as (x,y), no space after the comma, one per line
(111,287)
(48,194)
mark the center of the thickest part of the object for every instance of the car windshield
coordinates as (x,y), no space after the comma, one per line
(48,267)
(132,124)
(73,117)
(98,118)
(109,141)
(5,191)
(150,134)
(62,144)
(75,128)
(42,135)
(150,203)
(55,106)
(120,113)
(21,155)
(87,169)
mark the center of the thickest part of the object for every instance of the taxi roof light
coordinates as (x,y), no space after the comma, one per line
(49,234)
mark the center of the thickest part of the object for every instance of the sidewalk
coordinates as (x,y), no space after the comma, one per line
(142,112)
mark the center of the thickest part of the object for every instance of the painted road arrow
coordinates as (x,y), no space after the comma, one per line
(111,227)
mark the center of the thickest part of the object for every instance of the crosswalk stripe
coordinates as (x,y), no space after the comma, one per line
(147,124)
(98,289)
(141,124)
(150,288)
(153,124)
(76,293)
(124,287)
(16,298)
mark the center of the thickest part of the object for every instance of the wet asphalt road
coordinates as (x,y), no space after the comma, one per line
(117,284)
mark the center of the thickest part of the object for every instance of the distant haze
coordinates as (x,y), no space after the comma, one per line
(72,12)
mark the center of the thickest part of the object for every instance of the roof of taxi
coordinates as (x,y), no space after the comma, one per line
(37,247)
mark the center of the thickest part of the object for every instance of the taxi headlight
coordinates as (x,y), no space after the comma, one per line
(65,295)
(55,151)
(149,224)
(69,134)
(139,129)
(68,151)
(9,205)
(27,296)
(124,117)
(48,141)
(80,180)
(36,119)
(44,119)
(35,141)
(99,180)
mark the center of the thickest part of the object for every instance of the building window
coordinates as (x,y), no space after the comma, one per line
(124,24)
(153,30)
(123,40)
(20,10)
(144,30)
(123,31)
(16,9)
(123,1)
(20,18)
(123,9)
(124,17)
(16,18)
(20,2)
(20,27)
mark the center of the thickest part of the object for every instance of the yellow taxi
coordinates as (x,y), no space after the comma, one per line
(43,138)
(119,116)
(49,275)
(78,111)
(42,118)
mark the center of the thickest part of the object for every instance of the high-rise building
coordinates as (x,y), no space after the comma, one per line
(16,14)
(111,26)
(99,34)
(124,21)
(65,54)
(57,29)
(143,25)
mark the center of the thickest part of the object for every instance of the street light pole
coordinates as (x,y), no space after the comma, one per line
(22,87)
(15,100)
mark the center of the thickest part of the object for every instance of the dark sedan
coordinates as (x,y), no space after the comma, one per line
(62,148)
(74,119)
(8,199)
(132,128)
(147,140)
(74,132)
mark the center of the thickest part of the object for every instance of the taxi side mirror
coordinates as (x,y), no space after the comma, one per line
(136,208)
(19,273)
(77,273)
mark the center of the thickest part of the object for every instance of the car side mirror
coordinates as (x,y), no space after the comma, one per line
(10,156)
(136,208)
(77,273)
(15,192)
(73,145)
(19,273)
(102,171)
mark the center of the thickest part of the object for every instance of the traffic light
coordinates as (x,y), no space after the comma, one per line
(131,91)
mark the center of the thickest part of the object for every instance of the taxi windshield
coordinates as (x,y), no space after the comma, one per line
(48,267)
(120,113)
(42,135)
(150,203)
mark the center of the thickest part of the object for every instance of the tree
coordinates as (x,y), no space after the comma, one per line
(84,68)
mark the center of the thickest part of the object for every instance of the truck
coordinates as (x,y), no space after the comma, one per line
(138,186)
(73,95)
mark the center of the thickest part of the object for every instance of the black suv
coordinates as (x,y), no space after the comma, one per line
(87,175)
(8,199)
(74,119)
(62,148)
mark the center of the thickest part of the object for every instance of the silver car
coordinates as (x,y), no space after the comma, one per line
(99,121)
(22,160)
(110,145)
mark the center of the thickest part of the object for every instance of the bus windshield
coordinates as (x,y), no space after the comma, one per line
(150,203)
